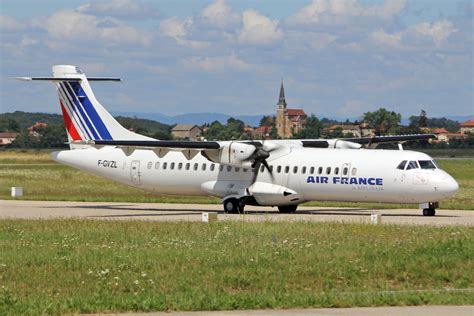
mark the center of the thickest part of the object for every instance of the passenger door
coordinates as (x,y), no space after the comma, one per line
(135,172)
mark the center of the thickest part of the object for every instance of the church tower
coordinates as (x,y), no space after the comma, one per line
(281,118)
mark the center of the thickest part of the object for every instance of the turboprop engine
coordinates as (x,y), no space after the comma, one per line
(342,144)
(238,154)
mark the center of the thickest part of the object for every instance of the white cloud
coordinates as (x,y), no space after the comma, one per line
(258,29)
(385,39)
(217,64)
(9,24)
(174,27)
(415,36)
(125,9)
(70,25)
(220,14)
(437,31)
(337,12)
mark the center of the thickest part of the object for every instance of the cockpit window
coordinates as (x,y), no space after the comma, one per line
(412,165)
(426,164)
(402,164)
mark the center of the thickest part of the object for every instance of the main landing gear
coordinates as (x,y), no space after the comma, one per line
(234,205)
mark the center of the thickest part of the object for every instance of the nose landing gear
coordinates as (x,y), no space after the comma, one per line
(429,209)
(429,212)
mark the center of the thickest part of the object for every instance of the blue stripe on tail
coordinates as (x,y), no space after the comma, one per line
(91,111)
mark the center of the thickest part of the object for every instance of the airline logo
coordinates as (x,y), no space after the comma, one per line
(346,180)
(80,116)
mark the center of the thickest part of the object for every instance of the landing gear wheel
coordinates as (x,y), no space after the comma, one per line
(429,212)
(234,206)
(287,209)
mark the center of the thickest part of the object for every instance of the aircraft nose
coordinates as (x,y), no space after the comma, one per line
(448,186)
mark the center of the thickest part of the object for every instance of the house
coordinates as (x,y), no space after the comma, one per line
(354,130)
(7,138)
(288,121)
(186,131)
(33,129)
(263,131)
(467,127)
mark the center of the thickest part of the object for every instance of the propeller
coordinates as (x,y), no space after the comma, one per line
(258,158)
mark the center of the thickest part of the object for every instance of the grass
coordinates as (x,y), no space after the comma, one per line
(43,179)
(80,266)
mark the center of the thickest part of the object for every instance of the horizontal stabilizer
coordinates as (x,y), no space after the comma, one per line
(66,79)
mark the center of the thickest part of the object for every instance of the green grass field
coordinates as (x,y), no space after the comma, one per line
(72,266)
(43,179)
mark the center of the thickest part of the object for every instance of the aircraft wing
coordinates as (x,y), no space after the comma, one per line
(389,139)
(171,144)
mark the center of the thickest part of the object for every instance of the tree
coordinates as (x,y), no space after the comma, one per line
(383,121)
(9,125)
(422,120)
(312,129)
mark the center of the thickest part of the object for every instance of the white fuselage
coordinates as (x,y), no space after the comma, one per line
(300,174)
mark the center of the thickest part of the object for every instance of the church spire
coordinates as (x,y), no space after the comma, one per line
(281,99)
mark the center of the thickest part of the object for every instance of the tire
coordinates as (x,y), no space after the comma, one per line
(231,205)
(234,206)
(287,209)
(429,212)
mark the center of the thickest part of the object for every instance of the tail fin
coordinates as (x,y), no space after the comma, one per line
(84,117)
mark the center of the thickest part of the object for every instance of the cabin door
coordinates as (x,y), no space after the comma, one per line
(135,172)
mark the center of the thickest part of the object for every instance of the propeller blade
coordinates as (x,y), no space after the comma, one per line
(256,169)
(270,171)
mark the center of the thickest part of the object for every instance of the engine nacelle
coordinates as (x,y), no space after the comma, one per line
(342,144)
(235,154)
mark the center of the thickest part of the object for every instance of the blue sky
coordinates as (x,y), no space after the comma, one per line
(338,58)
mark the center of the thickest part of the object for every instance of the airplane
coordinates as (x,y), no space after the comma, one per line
(282,173)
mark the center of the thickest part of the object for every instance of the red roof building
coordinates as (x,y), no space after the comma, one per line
(467,127)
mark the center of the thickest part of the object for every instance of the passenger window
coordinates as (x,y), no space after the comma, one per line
(328,170)
(180,166)
(311,170)
(188,165)
(303,170)
(262,168)
(336,170)
(221,168)
(279,169)
(157,165)
(149,165)
(287,169)
(244,169)
(271,169)
(165,164)
(426,164)
(229,168)
(402,165)
(213,165)
(412,165)
(320,170)
(204,166)
(237,169)
(345,171)
(172,166)
(295,169)
(196,166)
(354,171)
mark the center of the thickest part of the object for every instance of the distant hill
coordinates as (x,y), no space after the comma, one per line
(26,119)
(193,118)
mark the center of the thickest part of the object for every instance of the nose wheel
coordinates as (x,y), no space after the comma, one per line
(429,212)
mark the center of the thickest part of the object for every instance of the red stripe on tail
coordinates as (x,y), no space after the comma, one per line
(71,129)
